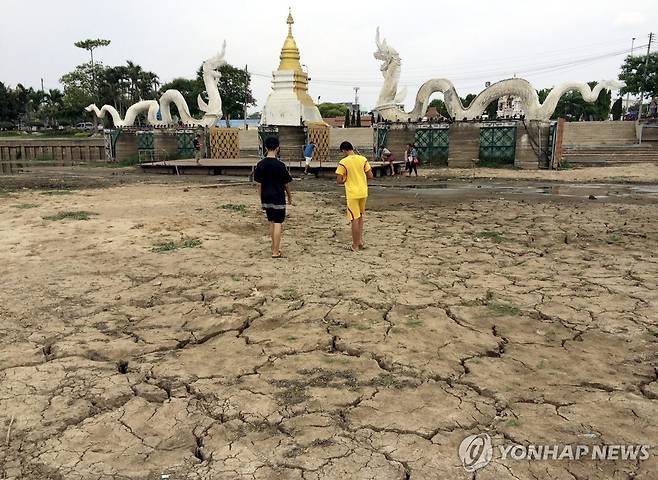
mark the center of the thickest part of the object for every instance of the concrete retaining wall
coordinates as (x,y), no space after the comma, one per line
(599,133)
(464,145)
(56,151)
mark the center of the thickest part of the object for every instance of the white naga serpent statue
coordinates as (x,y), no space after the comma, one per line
(388,104)
(212,110)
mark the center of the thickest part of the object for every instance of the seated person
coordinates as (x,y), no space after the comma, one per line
(387,156)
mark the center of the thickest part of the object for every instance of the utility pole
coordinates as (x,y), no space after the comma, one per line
(628,95)
(246,95)
(646,73)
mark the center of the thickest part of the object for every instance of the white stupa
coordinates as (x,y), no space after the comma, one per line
(289,102)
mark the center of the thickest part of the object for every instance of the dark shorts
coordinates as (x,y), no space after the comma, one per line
(275,215)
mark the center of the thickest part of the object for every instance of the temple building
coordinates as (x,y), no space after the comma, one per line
(509,107)
(289,102)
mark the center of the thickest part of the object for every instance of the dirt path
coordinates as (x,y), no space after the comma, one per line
(158,337)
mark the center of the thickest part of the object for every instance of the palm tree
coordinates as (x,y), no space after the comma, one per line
(134,72)
(149,84)
(54,105)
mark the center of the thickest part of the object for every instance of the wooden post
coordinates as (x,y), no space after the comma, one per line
(559,135)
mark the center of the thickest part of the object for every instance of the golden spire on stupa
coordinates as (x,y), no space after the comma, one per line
(290,53)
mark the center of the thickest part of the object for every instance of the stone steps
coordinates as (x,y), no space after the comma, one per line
(603,154)
(292,140)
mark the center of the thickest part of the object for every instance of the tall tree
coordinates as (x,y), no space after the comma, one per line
(232,88)
(8,107)
(346,123)
(639,77)
(90,45)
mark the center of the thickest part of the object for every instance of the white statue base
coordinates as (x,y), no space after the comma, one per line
(289,103)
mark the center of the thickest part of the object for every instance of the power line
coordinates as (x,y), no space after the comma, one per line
(476,74)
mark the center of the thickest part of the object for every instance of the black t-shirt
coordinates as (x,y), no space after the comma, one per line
(273,176)
(197,144)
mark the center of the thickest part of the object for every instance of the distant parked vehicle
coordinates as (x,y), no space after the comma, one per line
(85,126)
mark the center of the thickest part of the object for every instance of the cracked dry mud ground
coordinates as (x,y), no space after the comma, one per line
(533,321)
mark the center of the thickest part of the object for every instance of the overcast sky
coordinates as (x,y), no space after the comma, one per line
(467,41)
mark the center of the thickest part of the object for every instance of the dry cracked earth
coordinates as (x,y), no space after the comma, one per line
(158,337)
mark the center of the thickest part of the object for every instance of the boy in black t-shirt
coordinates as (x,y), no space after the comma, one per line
(273,179)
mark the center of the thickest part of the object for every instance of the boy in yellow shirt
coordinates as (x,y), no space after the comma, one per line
(353,171)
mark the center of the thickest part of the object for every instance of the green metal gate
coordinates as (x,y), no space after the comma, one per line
(380,137)
(497,145)
(185,143)
(265,131)
(111,137)
(431,144)
(145,146)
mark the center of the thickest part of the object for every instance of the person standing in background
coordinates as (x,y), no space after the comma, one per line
(309,149)
(411,160)
(197,148)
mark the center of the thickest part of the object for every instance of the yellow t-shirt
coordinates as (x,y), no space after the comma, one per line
(354,168)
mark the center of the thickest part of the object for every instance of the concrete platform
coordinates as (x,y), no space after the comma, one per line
(245,166)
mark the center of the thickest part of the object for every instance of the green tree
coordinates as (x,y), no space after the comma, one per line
(440,107)
(358,118)
(8,106)
(639,78)
(233,86)
(188,88)
(141,84)
(51,112)
(331,110)
(90,45)
(466,101)
(346,124)
(79,89)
